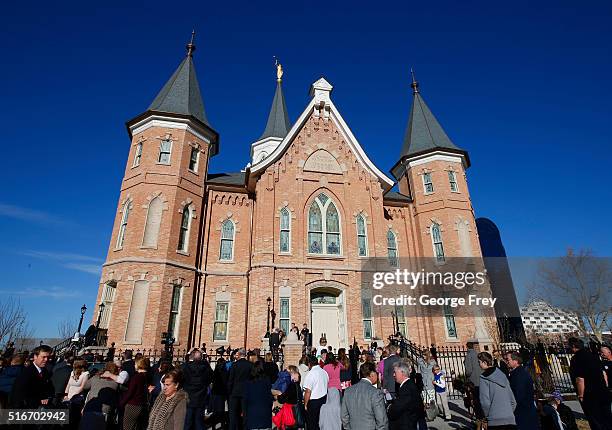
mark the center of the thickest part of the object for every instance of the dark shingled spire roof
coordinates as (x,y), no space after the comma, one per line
(424,132)
(278,121)
(181,94)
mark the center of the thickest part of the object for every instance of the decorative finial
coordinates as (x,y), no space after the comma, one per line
(414,84)
(190,46)
(279,69)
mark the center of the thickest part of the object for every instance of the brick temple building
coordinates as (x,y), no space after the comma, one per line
(204,255)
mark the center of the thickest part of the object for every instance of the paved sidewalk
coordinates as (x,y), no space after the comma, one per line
(461,419)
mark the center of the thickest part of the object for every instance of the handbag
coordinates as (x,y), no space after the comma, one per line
(431,411)
(284,418)
(299,413)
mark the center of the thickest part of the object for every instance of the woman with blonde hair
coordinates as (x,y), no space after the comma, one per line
(135,398)
(170,407)
(74,389)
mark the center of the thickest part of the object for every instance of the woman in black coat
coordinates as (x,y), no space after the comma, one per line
(258,399)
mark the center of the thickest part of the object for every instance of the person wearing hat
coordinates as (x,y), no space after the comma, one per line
(556,415)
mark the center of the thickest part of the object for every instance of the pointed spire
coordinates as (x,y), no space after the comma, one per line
(190,46)
(278,124)
(414,84)
(181,94)
(424,133)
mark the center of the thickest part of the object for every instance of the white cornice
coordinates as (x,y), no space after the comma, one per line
(436,156)
(170,122)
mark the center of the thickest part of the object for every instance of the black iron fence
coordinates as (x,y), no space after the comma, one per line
(176,356)
(549,369)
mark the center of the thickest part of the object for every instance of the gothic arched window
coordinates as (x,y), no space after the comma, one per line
(436,238)
(154,217)
(285,231)
(324,227)
(227,240)
(123,226)
(184,232)
(362,237)
(392,248)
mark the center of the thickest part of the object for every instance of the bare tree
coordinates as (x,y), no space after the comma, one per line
(13,322)
(66,328)
(579,283)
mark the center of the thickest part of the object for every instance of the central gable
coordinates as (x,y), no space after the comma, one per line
(322,110)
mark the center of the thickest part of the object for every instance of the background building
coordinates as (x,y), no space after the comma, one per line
(540,318)
(199,254)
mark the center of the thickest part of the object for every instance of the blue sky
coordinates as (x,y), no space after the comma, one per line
(523,86)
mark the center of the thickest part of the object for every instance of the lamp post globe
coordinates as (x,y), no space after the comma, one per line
(83,310)
(101,310)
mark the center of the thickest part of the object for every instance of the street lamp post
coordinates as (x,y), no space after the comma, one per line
(395,326)
(101,308)
(269,300)
(83,310)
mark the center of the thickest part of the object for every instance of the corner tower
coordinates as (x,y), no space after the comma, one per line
(432,171)
(149,277)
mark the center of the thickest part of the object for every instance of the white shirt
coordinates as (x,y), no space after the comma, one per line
(123,377)
(74,385)
(316,381)
(37,368)
(367,379)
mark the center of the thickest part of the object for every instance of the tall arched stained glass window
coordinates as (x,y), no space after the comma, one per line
(362,238)
(227,241)
(285,231)
(324,235)
(333,230)
(436,238)
(392,249)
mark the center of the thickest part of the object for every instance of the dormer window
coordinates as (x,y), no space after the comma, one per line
(137,155)
(427,183)
(452,179)
(193,159)
(165,150)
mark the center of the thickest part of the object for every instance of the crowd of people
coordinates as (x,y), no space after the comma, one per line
(355,388)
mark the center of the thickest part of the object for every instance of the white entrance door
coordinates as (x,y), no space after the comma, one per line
(325,321)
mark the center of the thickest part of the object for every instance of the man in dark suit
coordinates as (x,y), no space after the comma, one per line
(128,363)
(33,386)
(525,413)
(238,375)
(61,375)
(304,335)
(404,411)
(388,382)
(197,376)
(275,342)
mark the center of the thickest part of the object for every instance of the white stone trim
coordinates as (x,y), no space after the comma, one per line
(436,156)
(168,122)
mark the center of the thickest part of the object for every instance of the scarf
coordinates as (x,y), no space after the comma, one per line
(163,410)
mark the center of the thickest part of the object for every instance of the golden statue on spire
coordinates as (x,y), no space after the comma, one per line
(279,69)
